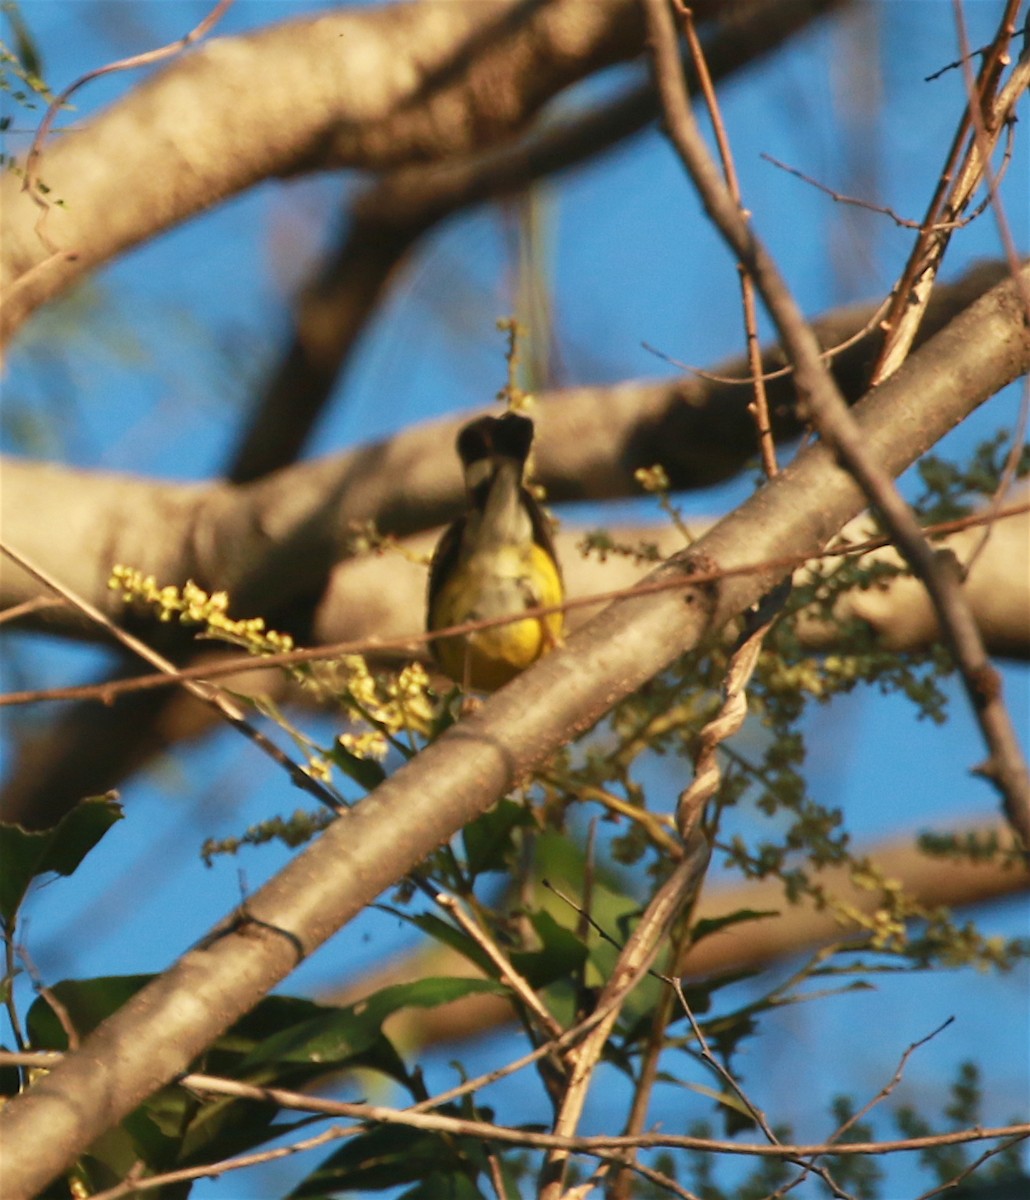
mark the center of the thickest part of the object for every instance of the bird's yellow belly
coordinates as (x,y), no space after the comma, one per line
(501,584)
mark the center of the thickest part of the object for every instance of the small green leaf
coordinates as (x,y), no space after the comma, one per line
(365,772)
(561,955)
(25,854)
(24,43)
(706,926)
(87,1002)
(445,933)
(390,1156)
(726,1099)
(488,840)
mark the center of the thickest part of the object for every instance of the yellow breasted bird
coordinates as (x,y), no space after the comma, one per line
(495,560)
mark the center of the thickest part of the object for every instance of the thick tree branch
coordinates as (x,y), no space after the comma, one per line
(74,523)
(272,543)
(159,1033)
(372,89)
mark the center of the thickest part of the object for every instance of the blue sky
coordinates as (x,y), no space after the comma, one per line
(152,377)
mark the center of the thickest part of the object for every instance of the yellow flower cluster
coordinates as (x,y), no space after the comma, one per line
(382,707)
(652,479)
(191,605)
(392,704)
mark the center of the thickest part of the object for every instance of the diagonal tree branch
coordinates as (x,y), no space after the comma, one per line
(275,540)
(1006,766)
(74,523)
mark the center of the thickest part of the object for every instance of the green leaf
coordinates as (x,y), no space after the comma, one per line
(706,926)
(561,955)
(423,993)
(726,1099)
(335,1035)
(25,855)
(488,840)
(87,1002)
(392,1155)
(24,43)
(365,772)
(445,933)
(288,1042)
(456,1186)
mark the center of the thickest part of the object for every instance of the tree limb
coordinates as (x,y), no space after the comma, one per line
(1006,766)
(273,542)
(372,89)
(385,223)
(157,1034)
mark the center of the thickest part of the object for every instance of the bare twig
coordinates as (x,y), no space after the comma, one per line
(1006,766)
(868,205)
(508,974)
(633,962)
(108,691)
(59,1010)
(31,181)
(729,719)
(759,407)
(750,378)
(880,1096)
(30,606)
(971,1169)
(963,172)
(417,1118)
(205,692)
(983,140)
(621,1185)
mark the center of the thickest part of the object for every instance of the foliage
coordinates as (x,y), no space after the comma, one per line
(539,897)
(560,926)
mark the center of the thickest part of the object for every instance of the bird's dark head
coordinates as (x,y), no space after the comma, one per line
(509,436)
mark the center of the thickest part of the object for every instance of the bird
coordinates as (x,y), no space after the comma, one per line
(496,560)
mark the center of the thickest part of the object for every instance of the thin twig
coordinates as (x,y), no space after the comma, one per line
(731,715)
(971,1169)
(30,183)
(893,1082)
(108,691)
(10,969)
(632,964)
(756,1114)
(417,1118)
(1006,766)
(621,1187)
(759,406)
(960,177)
(858,202)
(205,692)
(59,1010)
(749,380)
(1011,254)
(36,604)
(508,974)
(880,1096)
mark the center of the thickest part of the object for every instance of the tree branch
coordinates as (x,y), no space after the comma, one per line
(372,89)
(275,541)
(1006,767)
(386,222)
(157,1034)
(74,523)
